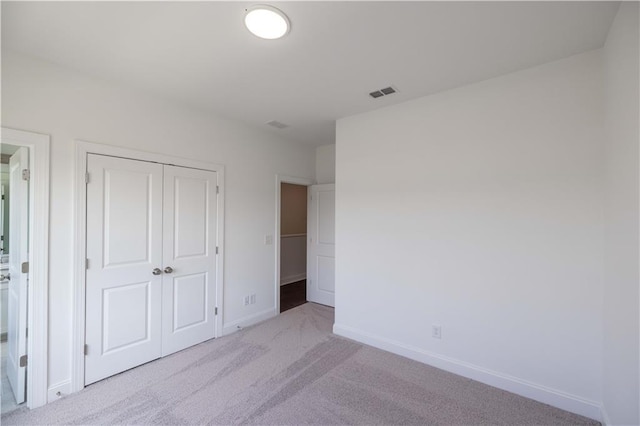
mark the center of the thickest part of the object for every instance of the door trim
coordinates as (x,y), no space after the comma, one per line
(280,179)
(38,292)
(84,148)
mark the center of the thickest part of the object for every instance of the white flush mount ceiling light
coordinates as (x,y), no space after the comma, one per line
(266,22)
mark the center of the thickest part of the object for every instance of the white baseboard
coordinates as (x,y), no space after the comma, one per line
(236,325)
(64,389)
(293,279)
(554,397)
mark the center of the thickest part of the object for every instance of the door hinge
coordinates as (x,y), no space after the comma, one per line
(215,311)
(86,264)
(25,267)
(86,349)
(86,177)
(217,189)
(216,249)
(23,361)
(26,174)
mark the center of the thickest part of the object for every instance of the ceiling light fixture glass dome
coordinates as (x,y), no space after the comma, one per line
(267,22)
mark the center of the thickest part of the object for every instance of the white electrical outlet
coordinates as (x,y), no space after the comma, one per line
(436,332)
(268,240)
(246,300)
(252,299)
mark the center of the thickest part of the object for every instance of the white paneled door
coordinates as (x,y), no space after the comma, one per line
(189,258)
(18,277)
(151,242)
(321,249)
(124,248)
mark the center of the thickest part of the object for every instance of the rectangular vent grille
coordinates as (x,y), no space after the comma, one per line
(382,92)
(277,124)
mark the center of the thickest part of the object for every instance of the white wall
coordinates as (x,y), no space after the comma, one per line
(621,394)
(326,164)
(41,97)
(480,209)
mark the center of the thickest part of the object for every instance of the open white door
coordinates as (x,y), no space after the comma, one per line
(321,248)
(189,258)
(18,256)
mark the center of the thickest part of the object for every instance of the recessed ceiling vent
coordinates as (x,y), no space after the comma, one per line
(277,124)
(382,92)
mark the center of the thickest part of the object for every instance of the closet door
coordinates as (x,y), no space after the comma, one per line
(124,255)
(189,257)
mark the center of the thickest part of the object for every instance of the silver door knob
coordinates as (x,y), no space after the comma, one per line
(168,270)
(156,271)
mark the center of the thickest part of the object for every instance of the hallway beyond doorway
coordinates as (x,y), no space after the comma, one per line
(292,295)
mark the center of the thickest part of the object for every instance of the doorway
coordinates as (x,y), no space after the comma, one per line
(291,242)
(293,245)
(24,225)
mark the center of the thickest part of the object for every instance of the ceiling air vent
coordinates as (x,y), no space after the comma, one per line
(277,124)
(382,92)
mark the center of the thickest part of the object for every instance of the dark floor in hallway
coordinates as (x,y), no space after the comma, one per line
(292,295)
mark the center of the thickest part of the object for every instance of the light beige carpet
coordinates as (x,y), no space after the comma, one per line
(289,371)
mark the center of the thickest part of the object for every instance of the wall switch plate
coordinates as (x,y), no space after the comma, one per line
(252,299)
(246,300)
(436,332)
(268,240)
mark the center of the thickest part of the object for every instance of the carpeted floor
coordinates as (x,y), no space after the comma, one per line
(289,371)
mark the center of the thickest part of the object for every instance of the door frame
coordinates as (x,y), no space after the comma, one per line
(83,149)
(280,179)
(38,291)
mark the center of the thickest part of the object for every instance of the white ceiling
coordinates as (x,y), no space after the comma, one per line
(336,53)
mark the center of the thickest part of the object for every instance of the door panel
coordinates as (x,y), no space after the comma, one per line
(126,218)
(321,250)
(18,282)
(189,297)
(190,237)
(190,211)
(121,331)
(124,245)
(326,205)
(326,274)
